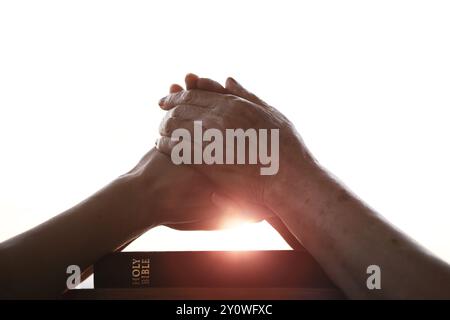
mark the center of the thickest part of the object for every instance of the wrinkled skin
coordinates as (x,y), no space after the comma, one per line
(222,109)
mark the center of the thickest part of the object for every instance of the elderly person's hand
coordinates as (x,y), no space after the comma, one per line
(233,107)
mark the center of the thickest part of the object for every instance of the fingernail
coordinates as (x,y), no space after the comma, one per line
(175,88)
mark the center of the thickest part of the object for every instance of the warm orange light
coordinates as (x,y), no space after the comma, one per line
(239,236)
(235,222)
(251,236)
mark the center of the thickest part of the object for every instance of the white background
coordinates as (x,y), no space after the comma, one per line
(366,83)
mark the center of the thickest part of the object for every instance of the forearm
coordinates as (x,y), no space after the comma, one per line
(34,263)
(346,237)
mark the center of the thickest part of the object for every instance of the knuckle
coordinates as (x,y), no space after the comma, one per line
(163,145)
(176,112)
(167,125)
(187,96)
(181,111)
(162,126)
(171,112)
(172,124)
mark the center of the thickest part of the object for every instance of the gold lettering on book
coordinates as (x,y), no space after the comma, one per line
(140,272)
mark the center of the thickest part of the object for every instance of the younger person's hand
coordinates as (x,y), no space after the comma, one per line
(180,197)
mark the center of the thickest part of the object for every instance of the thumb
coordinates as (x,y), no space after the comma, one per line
(225,204)
(246,211)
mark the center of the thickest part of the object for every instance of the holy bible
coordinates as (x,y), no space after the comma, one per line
(210,269)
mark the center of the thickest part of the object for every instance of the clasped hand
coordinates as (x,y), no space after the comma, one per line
(204,196)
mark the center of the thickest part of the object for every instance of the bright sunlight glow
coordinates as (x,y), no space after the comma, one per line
(244,236)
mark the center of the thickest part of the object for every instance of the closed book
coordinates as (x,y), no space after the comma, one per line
(210,269)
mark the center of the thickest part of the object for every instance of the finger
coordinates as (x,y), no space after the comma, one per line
(191,81)
(207,225)
(225,212)
(169,124)
(217,223)
(224,203)
(195,97)
(234,213)
(175,88)
(184,116)
(187,111)
(210,85)
(237,89)
(165,145)
(182,133)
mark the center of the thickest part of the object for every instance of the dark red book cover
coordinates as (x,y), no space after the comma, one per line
(284,268)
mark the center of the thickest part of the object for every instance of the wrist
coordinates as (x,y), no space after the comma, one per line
(303,200)
(142,208)
(151,187)
(296,167)
(294,184)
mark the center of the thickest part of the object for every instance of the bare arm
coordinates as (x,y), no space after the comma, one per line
(336,227)
(346,237)
(34,264)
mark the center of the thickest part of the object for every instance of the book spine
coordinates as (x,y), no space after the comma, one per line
(209,269)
